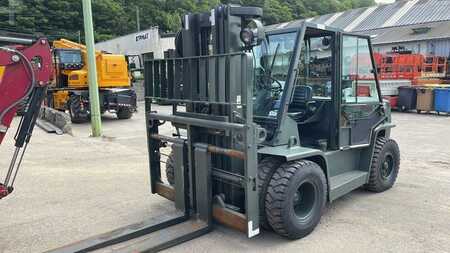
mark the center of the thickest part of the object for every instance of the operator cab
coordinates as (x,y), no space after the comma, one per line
(329,88)
(68,59)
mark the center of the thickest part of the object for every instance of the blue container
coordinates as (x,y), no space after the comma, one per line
(442,100)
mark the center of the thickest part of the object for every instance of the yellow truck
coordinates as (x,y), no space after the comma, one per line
(69,90)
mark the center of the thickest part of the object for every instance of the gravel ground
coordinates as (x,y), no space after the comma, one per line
(73,187)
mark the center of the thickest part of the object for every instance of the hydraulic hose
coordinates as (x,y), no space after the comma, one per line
(30,71)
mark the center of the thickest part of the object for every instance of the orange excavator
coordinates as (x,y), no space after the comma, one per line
(25,72)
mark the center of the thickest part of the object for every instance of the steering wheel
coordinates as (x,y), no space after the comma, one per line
(262,73)
(279,87)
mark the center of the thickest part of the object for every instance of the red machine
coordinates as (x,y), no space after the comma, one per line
(406,65)
(401,66)
(25,71)
(434,66)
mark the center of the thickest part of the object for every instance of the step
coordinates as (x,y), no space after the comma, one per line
(346,182)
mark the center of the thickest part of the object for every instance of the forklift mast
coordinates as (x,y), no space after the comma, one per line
(212,76)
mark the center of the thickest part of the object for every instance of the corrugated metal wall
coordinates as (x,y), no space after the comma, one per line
(431,47)
(416,12)
(439,47)
(419,47)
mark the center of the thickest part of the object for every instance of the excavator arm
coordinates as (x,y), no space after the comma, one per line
(25,71)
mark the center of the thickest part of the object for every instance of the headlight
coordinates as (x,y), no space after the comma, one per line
(253,33)
(247,36)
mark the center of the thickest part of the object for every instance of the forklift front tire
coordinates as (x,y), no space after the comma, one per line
(296,198)
(266,167)
(385,165)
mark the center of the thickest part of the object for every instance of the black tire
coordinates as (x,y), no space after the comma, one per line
(124,113)
(170,169)
(266,168)
(296,198)
(78,114)
(385,165)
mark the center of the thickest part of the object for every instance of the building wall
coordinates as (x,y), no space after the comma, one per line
(440,47)
(138,43)
(430,47)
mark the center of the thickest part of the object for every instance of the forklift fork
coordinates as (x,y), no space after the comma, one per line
(170,229)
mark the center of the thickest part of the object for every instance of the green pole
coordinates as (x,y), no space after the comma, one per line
(96,123)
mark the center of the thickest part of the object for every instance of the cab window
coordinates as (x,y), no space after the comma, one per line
(272,62)
(316,65)
(358,77)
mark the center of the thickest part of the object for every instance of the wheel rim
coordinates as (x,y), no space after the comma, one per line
(304,200)
(387,166)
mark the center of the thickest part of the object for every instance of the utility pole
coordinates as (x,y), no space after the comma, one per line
(138,19)
(12,5)
(96,123)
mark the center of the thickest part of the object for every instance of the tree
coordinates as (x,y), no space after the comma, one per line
(112,18)
(276,12)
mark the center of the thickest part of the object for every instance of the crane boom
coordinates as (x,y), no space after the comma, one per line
(64,43)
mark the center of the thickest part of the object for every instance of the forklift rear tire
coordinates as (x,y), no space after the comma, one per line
(77,115)
(296,198)
(266,167)
(385,165)
(124,113)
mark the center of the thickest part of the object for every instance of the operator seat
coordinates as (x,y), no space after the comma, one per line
(298,107)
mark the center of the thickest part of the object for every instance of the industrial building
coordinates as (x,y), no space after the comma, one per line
(146,41)
(422,26)
(137,44)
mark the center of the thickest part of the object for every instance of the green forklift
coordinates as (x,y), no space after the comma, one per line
(270,123)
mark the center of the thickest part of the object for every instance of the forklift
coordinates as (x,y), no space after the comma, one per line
(273,122)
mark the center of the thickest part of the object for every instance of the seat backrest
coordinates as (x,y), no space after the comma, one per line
(302,94)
